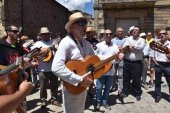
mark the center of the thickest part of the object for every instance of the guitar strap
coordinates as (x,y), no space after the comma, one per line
(91,67)
(80,42)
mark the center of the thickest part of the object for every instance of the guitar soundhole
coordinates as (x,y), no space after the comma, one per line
(75,71)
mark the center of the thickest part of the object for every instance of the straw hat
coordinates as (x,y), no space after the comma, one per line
(24,37)
(90,29)
(73,18)
(102,31)
(44,30)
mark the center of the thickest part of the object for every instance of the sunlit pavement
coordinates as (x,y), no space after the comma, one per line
(131,105)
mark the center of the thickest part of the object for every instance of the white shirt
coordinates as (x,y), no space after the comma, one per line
(138,44)
(69,50)
(43,66)
(146,50)
(104,51)
(160,57)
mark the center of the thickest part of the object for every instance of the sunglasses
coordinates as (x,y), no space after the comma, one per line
(45,34)
(108,34)
(81,22)
(162,33)
(14,31)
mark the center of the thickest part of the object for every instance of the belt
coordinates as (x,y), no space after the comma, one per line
(145,56)
(166,64)
(126,60)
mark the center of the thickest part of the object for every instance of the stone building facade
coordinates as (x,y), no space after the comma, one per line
(147,14)
(31,15)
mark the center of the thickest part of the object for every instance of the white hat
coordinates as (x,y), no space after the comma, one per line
(73,18)
(44,30)
(142,34)
(102,31)
(131,28)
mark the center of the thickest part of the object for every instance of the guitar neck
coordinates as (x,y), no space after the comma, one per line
(15,65)
(7,69)
(159,47)
(106,61)
(113,57)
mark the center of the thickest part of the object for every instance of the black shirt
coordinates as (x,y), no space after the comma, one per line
(9,53)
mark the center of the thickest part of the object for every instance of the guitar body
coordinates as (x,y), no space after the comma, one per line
(49,56)
(8,83)
(107,67)
(46,54)
(80,68)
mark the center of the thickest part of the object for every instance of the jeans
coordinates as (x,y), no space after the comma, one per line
(144,69)
(119,72)
(159,70)
(44,78)
(107,81)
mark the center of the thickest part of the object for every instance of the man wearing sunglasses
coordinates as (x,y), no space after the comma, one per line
(162,64)
(9,49)
(105,49)
(9,52)
(73,47)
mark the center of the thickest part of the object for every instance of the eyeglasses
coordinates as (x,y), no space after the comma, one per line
(81,22)
(108,34)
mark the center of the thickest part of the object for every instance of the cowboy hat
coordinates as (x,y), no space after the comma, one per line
(44,30)
(73,18)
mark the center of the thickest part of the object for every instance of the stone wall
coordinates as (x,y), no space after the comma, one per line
(162,16)
(31,15)
(145,17)
(152,14)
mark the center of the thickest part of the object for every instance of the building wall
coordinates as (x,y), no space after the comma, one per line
(161,16)
(144,16)
(152,14)
(31,15)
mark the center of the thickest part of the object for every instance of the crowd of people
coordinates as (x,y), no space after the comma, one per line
(121,63)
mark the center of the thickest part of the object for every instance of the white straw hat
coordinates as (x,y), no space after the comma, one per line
(73,18)
(44,30)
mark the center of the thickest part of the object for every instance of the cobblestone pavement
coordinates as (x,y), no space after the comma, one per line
(131,105)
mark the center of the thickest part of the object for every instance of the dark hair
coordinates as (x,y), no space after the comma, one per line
(9,28)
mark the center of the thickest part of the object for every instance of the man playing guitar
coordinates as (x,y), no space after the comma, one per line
(162,62)
(9,53)
(44,69)
(73,47)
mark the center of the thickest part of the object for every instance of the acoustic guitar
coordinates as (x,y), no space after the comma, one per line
(47,53)
(159,47)
(10,79)
(92,67)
